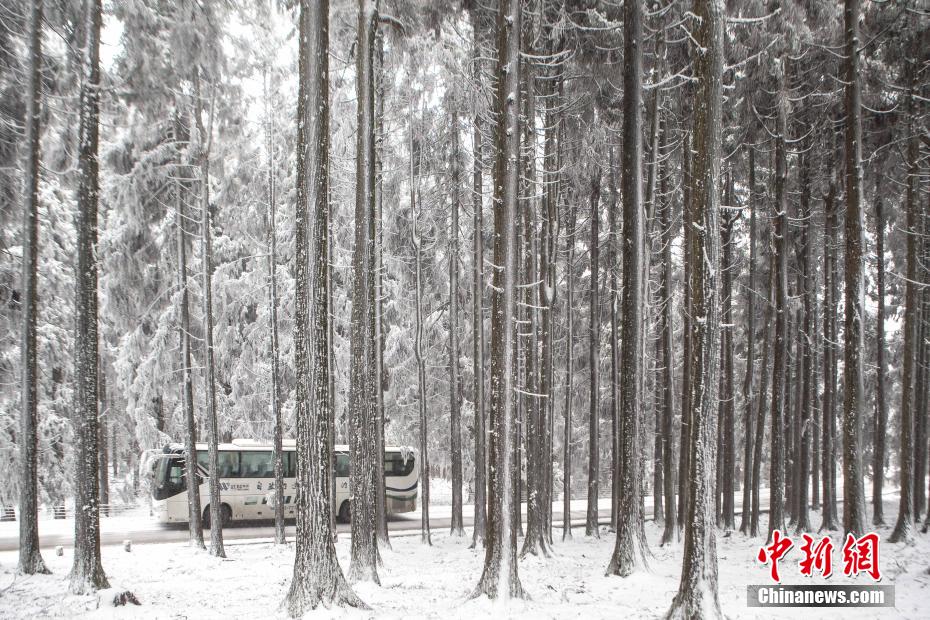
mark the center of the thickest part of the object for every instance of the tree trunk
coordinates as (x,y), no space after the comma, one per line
(805,345)
(30,556)
(362,437)
(548,288)
(569,368)
(697,594)
(828,426)
(103,480)
(881,411)
(455,390)
(629,553)
(318,578)
(87,575)
(376,274)
(416,160)
(907,513)
(684,456)
(749,379)
(666,337)
(194,508)
(279,537)
(499,578)
(728,397)
(613,258)
(853,492)
(594,339)
(481,488)
(204,140)
(536,540)
(780,348)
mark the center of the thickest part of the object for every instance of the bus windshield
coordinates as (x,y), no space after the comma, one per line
(169,477)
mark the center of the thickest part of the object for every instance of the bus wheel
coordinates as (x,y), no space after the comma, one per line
(345,512)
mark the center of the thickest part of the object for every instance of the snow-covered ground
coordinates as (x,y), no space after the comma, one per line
(173,581)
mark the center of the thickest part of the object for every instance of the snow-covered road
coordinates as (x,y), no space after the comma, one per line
(139,527)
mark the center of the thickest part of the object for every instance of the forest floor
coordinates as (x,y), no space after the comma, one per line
(173,581)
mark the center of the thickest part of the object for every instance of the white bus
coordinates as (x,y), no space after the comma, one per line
(246,470)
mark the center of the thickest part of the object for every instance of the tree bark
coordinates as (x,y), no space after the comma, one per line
(416,160)
(194,508)
(828,426)
(455,390)
(499,578)
(569,369)
(594,339)
(853,492)
(907,509)
(780,348)
(376,275)
(279,537)
(881,411)
(481,489)
(362,439)
(103,479)
(629,553)
(30,556)
(684,456)
(666,337)
(87,575)
(727,399)
(318,578)
(749,379)
(204,140)
(697,594)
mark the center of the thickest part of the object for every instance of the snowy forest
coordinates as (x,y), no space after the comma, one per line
(638,285)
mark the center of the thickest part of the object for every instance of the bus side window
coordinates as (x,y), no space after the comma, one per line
(342,465)
(257,464)
(228,463)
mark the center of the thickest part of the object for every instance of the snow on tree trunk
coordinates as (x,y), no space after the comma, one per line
(697,594)
(194,521)
(30,557)
(629,553)
(455,384)
(853,492)
(907,513)
(499,578)
(87,573)
(318,578)
(204,140)
(362,439)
